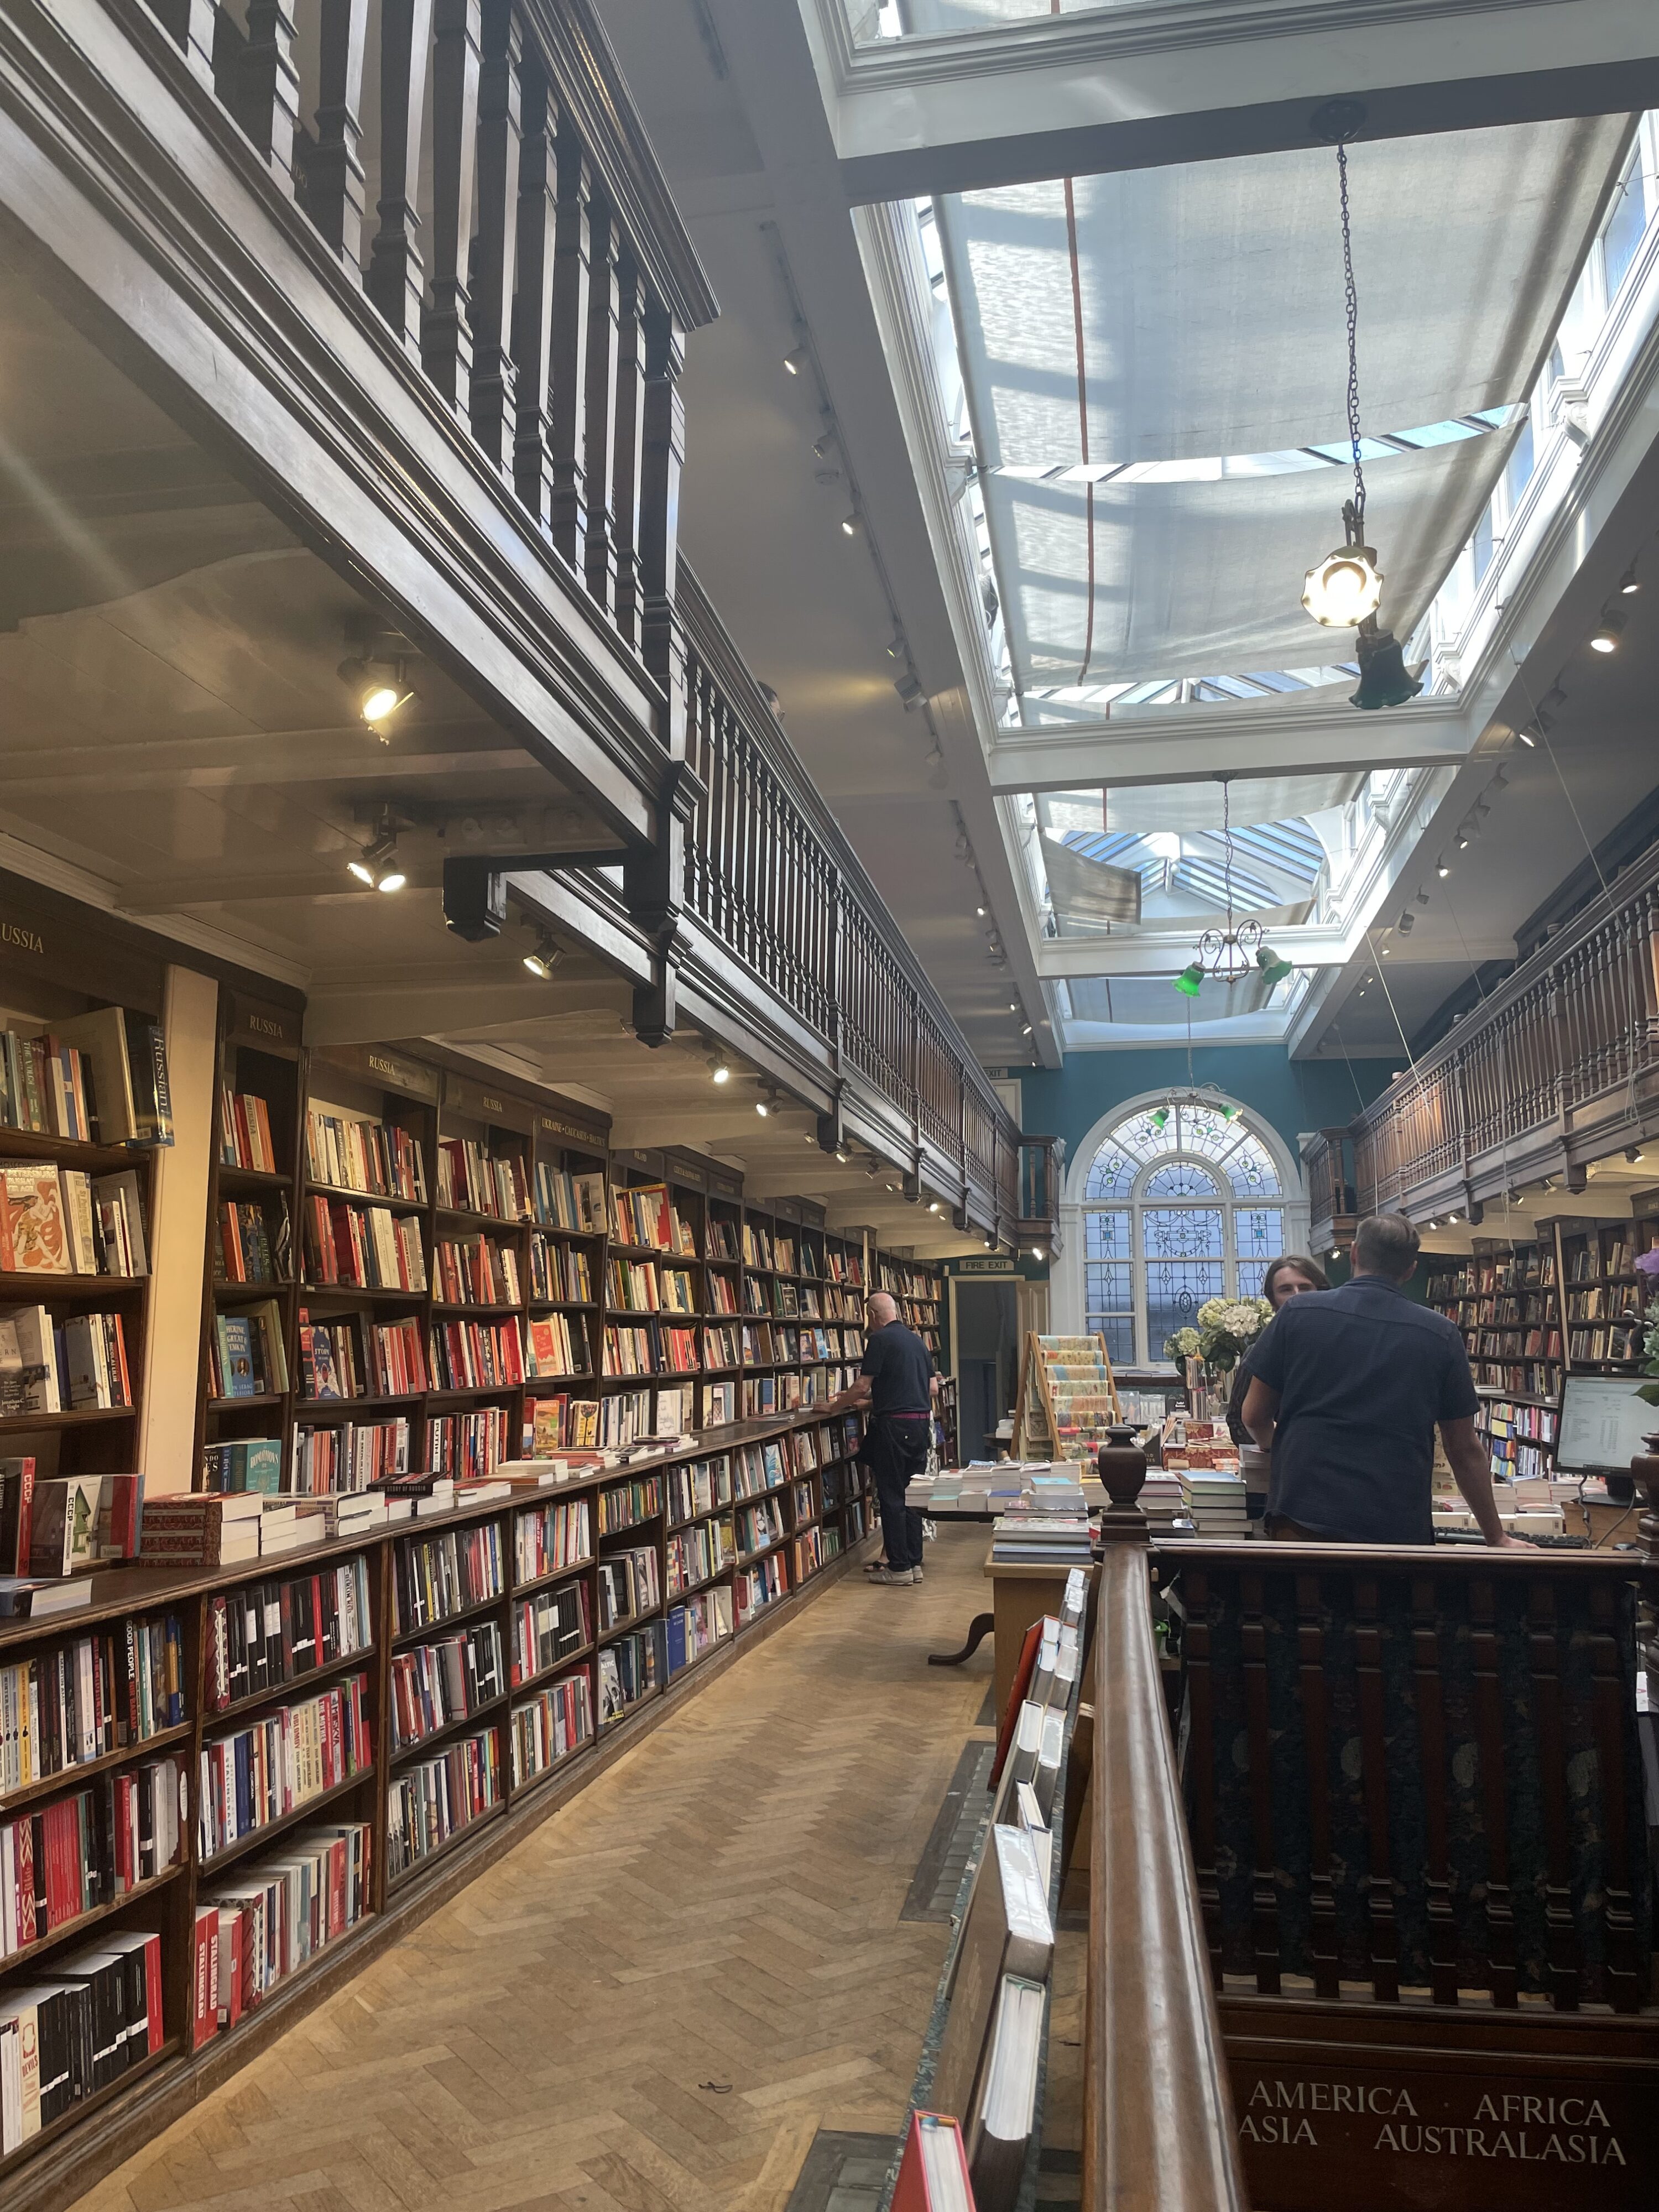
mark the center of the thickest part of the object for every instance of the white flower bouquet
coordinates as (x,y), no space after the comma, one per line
(1226,1329)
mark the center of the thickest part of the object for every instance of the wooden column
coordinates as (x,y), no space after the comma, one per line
(497,248)
(604,348)
(396,273)
(568,367)
(532,315)
(445,337)
(334,173)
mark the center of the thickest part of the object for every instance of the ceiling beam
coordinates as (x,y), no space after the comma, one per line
(1200,80)
(1167,953)
(1174,745)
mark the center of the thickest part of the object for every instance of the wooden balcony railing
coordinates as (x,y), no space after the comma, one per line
(476,171)
(1559,1067)
(772,880)
(1159,2132)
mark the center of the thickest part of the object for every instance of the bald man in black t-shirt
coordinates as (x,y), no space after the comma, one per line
(897,1382)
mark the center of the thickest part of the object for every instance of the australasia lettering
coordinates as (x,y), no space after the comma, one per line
(1533,2129)
(1531,2146)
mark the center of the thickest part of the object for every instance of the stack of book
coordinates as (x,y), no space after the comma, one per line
(1047,1525)
(1215,1504)
(201,1528)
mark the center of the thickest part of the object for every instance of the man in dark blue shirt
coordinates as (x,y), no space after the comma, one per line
(1345,1389)
(896,1382)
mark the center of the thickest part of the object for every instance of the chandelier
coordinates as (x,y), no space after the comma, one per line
(1228,956)
(1344,590)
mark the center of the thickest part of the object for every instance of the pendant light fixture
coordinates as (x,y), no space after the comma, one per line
(1227,956)
(1344,590)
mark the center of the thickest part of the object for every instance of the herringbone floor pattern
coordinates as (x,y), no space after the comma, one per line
(661,1995)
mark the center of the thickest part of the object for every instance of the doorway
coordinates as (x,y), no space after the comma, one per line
(986,1340)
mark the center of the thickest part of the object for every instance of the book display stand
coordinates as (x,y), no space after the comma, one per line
(1068,1398)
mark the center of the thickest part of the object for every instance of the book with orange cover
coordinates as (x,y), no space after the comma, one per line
(1022,1672)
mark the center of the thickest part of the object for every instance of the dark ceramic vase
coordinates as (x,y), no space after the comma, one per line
(1122,1465)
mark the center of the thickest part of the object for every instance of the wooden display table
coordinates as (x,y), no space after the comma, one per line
(1019,1595)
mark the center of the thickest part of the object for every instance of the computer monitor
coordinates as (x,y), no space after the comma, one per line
(1602,1424)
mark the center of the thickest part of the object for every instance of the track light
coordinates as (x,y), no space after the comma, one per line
(1465,837)
(909,687)
(1528,739)
(795,362)
(850,525)
(763,1106)
(1387,951)
(980,911)
(1026,1030)
(1628,584)
(990,1245)
(895,646)
(378,688)
(823,447)
(1442,867)
(545,958)
(1421,896)
(1336,1251)
(377,865)
(1605,637)
(934,1206)
(1433,1224)
(1632,1153)
(720,1068)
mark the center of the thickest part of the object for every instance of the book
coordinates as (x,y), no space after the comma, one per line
(1005,2109)
(33,1240)
(29,1362)
(1006,1930)
(64,1525)
(101,1037)
(933,2175)
(22,1599)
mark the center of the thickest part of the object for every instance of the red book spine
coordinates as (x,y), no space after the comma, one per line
(157,2033)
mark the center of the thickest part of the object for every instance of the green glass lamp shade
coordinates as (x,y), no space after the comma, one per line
(1190,981)
(1159,1117)
(1384,678)
(1272,965)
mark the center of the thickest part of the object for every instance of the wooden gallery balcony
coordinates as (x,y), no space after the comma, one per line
(356,327)
(1557,1068)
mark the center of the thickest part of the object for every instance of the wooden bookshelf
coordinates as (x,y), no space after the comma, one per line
(823,1510)
(919,1293)
(61,1146)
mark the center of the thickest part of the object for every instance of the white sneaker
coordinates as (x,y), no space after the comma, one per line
(899,1578)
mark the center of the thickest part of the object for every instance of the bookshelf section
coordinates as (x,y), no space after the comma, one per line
(233,1772)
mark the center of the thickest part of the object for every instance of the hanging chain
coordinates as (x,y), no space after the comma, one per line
(1227,845)
(1354,347)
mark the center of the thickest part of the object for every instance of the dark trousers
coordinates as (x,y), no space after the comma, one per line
(895,1450)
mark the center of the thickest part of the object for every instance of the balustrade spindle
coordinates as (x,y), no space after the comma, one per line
(267,101)
(659,506)
(1264,1895)
(1379,1884)
(495,248)
(628,448)
(603,351)
(568,370)
(1436,1779)
(532,310)
(396,272)
(190,23)
(446,336)
(1624,1989)
(334,195)
(1310,1669)
(1543,1640)
(1494,1798)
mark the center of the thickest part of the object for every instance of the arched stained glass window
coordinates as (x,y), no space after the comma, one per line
(1182,1203)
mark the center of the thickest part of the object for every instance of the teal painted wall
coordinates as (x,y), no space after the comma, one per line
(1289,1095)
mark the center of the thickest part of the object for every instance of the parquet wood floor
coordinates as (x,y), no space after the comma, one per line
(655,2000)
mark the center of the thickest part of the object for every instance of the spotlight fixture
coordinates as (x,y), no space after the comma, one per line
(763,1106)
(823,447)
(720,1068)
(1336,1251)
(1465,837)
(1443,867)
(1038,1251)
(1605,637)
(1632,1153)
(1528,739)
(895,646)
(378,864)
(934,1206)
(1628,584)
(795,362)
(1433,1224)
(1450,1217)
(990,1245)
(980,911)
(850,525)
(909,687)
(545,958)
(379,687)
(1026,1030)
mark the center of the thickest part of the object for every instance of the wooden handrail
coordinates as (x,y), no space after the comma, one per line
(1158,2133)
